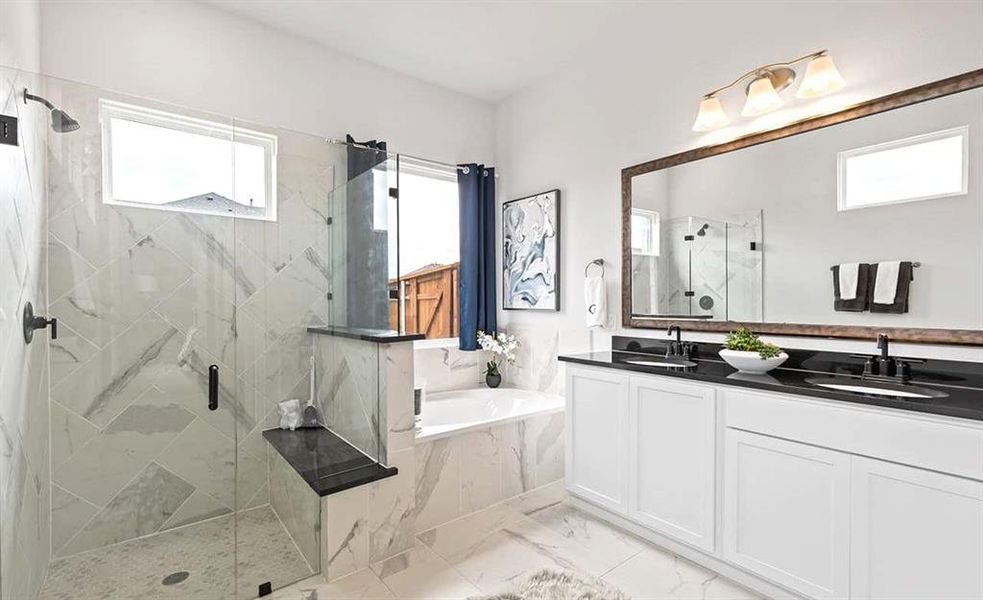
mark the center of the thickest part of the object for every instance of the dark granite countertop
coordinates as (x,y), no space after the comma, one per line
(378,336)
(964,400)
(325,461)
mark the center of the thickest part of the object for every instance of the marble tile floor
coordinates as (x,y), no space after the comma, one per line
(492,550)
(134,569)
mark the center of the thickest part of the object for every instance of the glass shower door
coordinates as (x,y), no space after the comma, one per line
(708,268)
(146,406)
(24,471)
(287,285)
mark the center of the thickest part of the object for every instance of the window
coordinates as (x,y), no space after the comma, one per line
(925,167)
(644,232)
(425,298)
(165,161)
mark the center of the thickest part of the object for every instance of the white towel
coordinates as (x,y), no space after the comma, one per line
(849,275)
(886,284)
(595,296)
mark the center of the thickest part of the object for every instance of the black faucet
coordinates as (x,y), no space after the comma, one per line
(678,347)
(886,364)
(886,367)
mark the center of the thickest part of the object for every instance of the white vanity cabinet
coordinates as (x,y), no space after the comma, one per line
(597,426)
(825,499)
(916,534)
(671,458)
(644,447)
(787,513)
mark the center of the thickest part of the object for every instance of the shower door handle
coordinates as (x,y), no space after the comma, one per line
(213,387)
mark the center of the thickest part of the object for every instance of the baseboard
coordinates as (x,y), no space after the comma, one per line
(752,582)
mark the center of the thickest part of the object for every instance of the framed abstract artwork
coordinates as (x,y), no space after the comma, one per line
(531,252)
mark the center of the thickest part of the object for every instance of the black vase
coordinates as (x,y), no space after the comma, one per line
(493,381)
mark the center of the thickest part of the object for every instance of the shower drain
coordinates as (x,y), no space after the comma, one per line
(175,578)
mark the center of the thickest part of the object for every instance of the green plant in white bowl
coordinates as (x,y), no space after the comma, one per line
(745,351)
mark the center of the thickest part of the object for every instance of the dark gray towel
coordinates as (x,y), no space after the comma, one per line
(906,274)
(858,304)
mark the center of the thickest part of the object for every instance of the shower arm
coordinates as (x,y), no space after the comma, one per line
(29,96)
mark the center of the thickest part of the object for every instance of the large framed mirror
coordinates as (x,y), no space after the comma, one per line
(883,199)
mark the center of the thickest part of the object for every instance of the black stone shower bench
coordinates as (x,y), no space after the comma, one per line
(325,461)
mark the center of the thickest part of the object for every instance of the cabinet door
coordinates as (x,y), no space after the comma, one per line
(597,410)
(671,458)
(787,513)
(916,533)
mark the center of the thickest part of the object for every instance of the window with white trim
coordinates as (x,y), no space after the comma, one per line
(644,232)
(924,167)
(166,161)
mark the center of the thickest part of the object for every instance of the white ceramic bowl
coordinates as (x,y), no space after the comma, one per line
(751,362)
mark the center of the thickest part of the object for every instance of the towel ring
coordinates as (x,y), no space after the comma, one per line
(597,261)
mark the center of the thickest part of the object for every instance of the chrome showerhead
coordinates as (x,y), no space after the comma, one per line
(61,121)
(703,230)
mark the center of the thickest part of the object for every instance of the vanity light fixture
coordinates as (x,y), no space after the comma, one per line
(763,85)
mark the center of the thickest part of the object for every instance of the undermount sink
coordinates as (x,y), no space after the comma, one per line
(661,362)
(876,388)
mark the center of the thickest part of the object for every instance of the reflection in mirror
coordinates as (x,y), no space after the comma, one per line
(900,185)
(705,266)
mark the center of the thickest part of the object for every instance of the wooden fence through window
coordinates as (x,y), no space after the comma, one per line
(430,299)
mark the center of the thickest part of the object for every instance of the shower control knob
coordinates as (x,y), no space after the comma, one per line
(33,322)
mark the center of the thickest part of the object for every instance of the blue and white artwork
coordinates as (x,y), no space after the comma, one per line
(531,253)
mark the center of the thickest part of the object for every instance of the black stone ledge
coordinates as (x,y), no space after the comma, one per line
(325,461)
(963,401)
(378,336)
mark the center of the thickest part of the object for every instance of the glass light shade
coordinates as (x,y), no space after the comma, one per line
(821,78)
(711,115)
(761,98)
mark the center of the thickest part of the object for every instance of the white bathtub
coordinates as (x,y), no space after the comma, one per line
(447,413)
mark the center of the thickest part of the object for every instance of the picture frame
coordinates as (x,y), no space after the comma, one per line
(531,252)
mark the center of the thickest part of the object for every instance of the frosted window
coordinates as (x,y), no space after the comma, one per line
(644,232)
(165,161)
(928,166)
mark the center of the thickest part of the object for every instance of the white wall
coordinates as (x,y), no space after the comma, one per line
(634,99)
(20,34)
(194,55)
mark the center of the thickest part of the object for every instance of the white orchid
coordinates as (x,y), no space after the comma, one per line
(501,345)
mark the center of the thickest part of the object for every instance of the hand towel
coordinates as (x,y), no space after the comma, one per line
(849,275)
(595,297)
(859,302)
(886,282)
(898,301)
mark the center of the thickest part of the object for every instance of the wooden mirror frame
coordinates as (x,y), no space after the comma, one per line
(915,95)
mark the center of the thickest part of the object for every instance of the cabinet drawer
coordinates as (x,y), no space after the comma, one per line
(916,440)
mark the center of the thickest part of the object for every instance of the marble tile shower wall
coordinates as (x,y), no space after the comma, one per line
(24,449)
(348,378)
(146,300)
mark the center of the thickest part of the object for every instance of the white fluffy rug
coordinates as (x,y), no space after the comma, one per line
(550,585)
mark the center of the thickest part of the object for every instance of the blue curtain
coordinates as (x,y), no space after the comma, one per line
(476,191)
